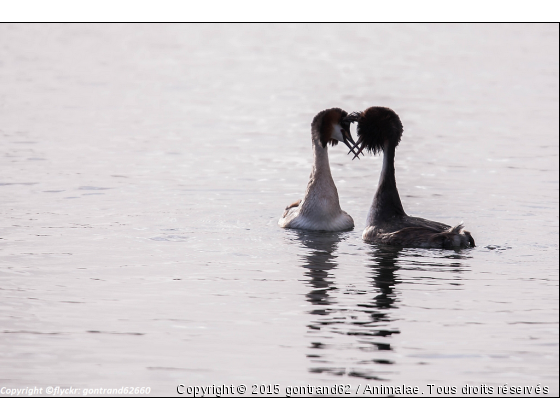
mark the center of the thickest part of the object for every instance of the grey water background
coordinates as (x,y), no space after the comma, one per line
(143,169)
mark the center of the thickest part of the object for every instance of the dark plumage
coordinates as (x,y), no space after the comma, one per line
(380,129)
(377,125)
(323,123)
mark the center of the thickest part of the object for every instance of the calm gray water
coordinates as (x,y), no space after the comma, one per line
(143,169)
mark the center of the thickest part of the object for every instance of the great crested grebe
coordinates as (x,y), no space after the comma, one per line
(320,209)
(380,129)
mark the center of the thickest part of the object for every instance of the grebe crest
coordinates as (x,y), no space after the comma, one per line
(380,130)
(330,126)
(376,127)
(320,207)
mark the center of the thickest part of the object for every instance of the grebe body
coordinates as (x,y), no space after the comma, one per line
(380,129)
(320,208)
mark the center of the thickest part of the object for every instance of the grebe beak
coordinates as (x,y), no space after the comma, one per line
(349,119)
(348,140)
(356,154)
(354,145)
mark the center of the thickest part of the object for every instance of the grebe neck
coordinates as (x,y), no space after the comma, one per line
(321,167)
(386,202)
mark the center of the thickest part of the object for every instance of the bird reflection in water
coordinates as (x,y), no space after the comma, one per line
(339,327)
(353,320)
(318,264)
(384,270)
(371,320)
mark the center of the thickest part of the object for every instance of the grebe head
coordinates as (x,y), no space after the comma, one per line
(378,127)
(330,126)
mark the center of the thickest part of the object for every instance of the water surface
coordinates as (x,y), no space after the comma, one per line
(143,169)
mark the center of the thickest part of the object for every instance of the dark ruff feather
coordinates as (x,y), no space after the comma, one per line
(376,125)
(323,123)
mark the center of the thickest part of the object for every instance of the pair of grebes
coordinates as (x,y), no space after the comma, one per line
(379,130)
